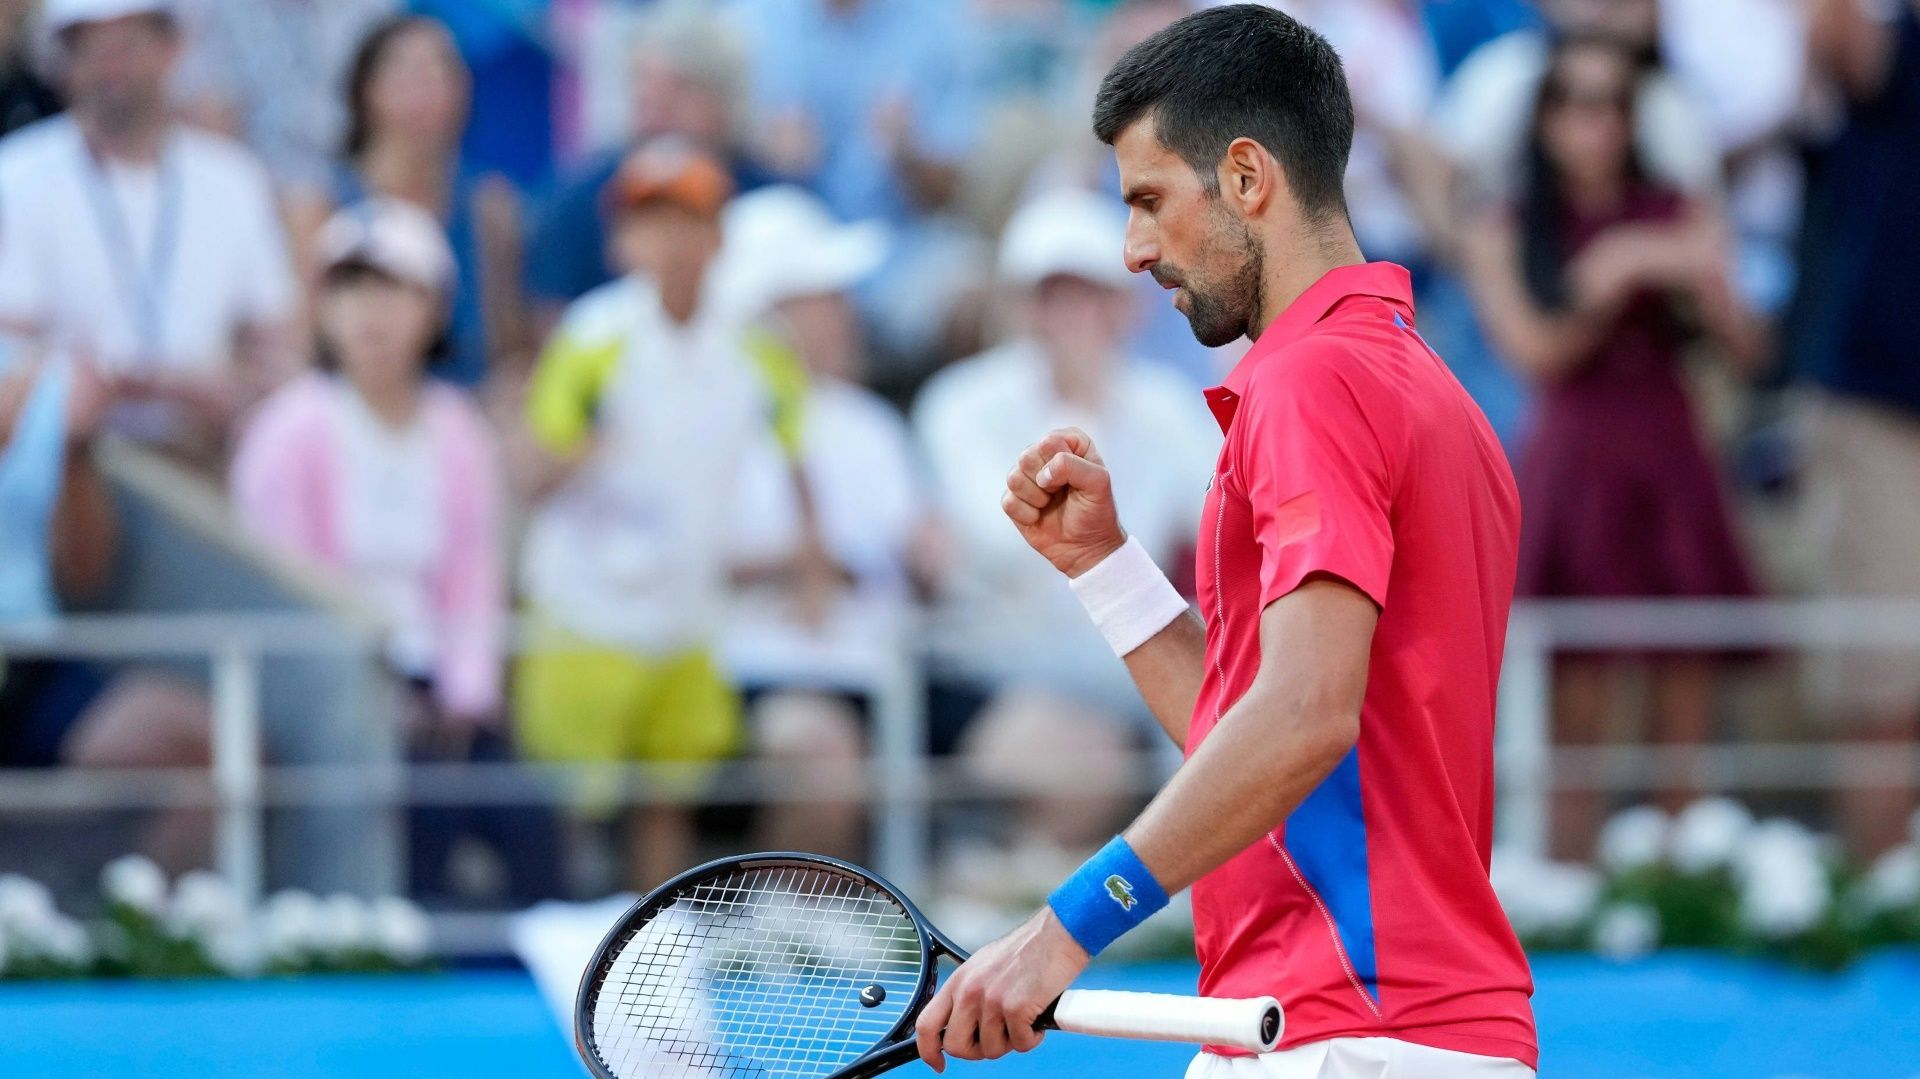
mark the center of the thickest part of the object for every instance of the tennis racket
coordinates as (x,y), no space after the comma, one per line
(797,966)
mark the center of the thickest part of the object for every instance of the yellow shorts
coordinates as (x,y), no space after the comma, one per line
(580,701)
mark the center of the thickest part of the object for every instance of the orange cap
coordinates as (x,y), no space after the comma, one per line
(674,174)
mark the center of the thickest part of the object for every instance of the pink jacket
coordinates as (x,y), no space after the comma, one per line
(286,477)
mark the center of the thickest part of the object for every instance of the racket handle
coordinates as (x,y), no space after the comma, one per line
(1253,1024)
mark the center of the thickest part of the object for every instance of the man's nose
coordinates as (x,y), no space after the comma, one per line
(1142,250)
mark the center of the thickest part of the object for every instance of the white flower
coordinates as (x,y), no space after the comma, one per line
(1633,838)
(237,951)
(1894,881)
(1543,896)
(291,924)
(1784,888)
(23,901)
(344,925)
(1626,931)
(66,940)
(136,882)
(204,906)
(1707,834)
(400,929)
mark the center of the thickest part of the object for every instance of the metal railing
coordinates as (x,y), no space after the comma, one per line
(1529,765)
(898,781)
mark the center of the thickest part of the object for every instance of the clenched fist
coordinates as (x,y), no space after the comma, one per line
(1061,499)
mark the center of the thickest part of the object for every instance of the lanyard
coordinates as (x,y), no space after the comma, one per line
(144,288)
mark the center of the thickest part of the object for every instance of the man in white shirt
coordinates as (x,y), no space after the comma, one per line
(813,648)
(645,402)
(150,247)
(1005,629)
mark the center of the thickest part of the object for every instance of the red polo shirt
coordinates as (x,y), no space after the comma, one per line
(1352,451)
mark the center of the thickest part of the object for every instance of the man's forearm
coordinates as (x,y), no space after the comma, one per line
(1168,669)
(1256,767)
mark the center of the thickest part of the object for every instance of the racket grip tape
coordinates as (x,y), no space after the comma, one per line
(1253,1024)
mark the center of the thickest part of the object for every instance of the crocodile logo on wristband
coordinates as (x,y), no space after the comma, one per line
(1121,891)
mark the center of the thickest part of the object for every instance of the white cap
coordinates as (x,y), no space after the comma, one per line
(783,242)
(1067,231)
(397,238)
(59,16)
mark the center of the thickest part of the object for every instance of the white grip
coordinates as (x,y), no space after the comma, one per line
(1253,1024)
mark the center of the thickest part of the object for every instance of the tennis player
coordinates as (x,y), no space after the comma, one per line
(1335,698)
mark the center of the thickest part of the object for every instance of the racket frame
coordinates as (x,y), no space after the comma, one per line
(891,1052)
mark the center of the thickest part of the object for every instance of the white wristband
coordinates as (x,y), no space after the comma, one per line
(1128,597)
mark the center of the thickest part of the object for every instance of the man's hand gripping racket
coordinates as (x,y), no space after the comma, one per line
(795,966)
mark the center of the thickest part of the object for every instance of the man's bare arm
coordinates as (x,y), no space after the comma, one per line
(1168,669)
(1292,727)
(1060,498)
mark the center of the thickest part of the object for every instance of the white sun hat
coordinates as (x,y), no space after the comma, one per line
(1066,231)
(782,242)
(397,238)
(59,16)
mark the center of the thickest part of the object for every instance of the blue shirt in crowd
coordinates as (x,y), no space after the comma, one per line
(1850,329)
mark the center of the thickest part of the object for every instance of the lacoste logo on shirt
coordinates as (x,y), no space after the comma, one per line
(1121,891)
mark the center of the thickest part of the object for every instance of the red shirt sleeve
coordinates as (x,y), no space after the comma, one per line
(1317,479)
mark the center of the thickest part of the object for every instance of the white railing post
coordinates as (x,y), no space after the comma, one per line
(236,768)
(1524,735)
(901,816)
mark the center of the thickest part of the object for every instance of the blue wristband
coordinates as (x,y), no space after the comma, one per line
(1109,895)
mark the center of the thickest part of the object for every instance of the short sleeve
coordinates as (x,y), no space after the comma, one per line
(1317,480)
(783,383)
(563,396)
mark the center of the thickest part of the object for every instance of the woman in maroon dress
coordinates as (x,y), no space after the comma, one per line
(1593,285)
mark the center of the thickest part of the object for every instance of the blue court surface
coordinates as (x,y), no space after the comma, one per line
(1675,1015)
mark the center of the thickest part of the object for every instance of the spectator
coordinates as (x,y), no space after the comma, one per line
(1581,288)
(688,74)
(1025,688)
(1161,335)
(869,103)
(268,72)
(407,93)
(813,657)
(150,246)
(507,49)
(389,479)
(1850,340)
(645,401)
(25,97)
(1482,118)
(59,535)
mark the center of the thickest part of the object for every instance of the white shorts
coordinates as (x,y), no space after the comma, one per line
(1358,1058)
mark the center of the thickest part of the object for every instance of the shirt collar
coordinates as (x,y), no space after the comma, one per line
(1382,279)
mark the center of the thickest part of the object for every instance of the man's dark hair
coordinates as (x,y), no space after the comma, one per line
(1239,70)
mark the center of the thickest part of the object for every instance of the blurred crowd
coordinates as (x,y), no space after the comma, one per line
(696,339)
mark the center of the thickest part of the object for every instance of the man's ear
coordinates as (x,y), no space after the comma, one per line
(1250,178)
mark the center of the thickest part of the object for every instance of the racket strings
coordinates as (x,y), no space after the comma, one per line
(756,972)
